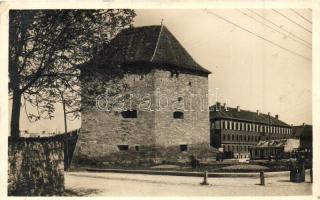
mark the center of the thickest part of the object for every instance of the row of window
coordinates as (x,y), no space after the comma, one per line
(235,137)
(265,152)
(247,138)
(243,156)
(236,148)
(244,126)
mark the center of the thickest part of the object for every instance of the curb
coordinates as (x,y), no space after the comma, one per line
(194,174)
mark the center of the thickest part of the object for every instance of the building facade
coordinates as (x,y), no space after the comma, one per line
(238,130)
(304,134)
(278,148)
(160,125)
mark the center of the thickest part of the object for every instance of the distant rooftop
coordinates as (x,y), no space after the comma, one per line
(304,130)
(243,115)
(148,44)
(291,143)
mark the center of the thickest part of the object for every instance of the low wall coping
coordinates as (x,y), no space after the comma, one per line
(197,174)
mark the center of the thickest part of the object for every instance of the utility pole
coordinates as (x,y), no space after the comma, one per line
(269,131)
(65,117)
(238,143)
(66,149)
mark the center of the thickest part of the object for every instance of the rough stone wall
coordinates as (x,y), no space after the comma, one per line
(36,166)
(185,92)
(102,131)
(156,133)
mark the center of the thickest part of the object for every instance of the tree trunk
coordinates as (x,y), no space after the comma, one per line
(15,115)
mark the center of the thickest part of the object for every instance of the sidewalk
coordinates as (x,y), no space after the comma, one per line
(115,184)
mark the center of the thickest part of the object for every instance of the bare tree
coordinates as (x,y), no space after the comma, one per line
(44,48)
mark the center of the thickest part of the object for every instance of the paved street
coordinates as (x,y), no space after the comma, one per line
(115,184)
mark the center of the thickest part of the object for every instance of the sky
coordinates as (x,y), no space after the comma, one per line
(259,59)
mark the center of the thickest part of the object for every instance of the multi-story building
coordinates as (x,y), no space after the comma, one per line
(238,130)
(154,68)
(278,148)
(304,134)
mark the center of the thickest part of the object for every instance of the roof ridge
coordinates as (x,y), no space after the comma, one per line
(156,47)
(148,44)
(246,115)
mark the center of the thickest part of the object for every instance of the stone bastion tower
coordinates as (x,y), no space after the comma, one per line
(156,107)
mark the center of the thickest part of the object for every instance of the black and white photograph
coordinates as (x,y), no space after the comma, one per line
(127,101)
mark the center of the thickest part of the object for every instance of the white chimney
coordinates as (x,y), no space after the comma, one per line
(258,112)
(238,108)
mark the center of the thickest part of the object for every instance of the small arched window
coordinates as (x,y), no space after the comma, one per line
(178,115)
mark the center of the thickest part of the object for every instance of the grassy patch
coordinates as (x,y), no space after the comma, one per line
(244,168)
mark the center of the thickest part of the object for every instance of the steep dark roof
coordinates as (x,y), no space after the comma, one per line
(243,115)
(147,44)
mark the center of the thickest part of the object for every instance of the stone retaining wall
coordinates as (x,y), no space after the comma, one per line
(36,166)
